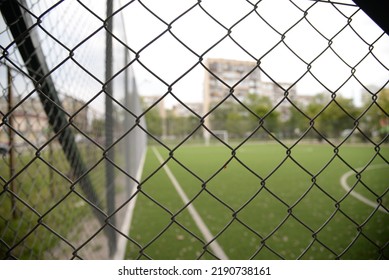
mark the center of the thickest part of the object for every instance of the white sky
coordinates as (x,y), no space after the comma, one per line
(169,59)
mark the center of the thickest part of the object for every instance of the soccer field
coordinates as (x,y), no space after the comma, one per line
(262,201)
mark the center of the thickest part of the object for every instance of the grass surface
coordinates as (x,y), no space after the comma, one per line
(263,201)
(45,209)
(260,201)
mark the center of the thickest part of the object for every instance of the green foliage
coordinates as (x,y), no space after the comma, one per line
(261,107)
(296,124)
(376,119)
(98,127)
(338,116)
(330,116)
(242,118)
(236,124)
(39,188)
(182,126)
(154,122)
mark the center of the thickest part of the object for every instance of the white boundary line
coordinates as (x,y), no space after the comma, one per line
(346,187)
(216,248)
(122,241)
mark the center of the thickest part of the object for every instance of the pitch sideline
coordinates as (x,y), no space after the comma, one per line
(216,248)
(126,226)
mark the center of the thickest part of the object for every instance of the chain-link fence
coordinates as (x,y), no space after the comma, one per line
(65,172)
(258,168)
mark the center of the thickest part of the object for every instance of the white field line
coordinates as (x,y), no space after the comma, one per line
(218,251)
(346,187)
(122,241)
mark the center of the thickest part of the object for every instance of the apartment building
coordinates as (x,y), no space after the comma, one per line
(240,78)
(30,120)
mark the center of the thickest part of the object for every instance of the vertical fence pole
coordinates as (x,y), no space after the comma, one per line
(109,129)
(206,107)
(127,119)
(51,161)
(11,145)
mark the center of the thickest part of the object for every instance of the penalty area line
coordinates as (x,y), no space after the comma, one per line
(214,245)
(346,187)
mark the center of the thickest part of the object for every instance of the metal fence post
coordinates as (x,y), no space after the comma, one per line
(11,143)
(127,119)
(109,128)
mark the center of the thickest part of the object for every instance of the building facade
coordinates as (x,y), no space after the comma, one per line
(230,76)
(226,77)
(30,120)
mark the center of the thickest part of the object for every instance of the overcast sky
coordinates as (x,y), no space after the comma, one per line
(258,31)
(168,59)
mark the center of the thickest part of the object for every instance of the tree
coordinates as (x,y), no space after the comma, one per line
(297,122)
(218,117)
(237,119)
(332,116)
(236,123)
(339,116)
(154,122)
(261,106)
(98,127)
(376,120)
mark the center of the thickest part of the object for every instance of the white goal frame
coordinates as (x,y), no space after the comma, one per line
(222,134)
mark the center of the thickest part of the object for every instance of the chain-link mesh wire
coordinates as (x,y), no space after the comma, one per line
(55,186)
(73,132)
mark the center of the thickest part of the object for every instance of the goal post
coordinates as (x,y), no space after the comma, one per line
(217,135)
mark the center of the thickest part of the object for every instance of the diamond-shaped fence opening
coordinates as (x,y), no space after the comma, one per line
(193,130)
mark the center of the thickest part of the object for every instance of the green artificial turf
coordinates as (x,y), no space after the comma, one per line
(263,201)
